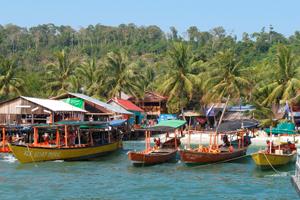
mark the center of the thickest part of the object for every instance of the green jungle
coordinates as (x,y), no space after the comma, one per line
(192,69)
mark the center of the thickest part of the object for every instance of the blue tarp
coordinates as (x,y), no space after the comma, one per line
(117,122)
(167,117)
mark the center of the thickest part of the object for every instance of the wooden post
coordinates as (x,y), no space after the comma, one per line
(91,136)
(78,135)
(66,135)
(175,136)
(3,139)
(35,135)
(146,141)
(57,138)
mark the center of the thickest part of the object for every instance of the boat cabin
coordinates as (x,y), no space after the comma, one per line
(71,134)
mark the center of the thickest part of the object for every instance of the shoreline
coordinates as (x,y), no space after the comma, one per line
(204,138)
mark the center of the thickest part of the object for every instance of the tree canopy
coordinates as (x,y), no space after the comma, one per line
(191,69)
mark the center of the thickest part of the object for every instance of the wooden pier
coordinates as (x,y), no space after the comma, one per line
(296,178)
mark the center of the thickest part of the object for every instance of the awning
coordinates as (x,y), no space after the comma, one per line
(237,124)
(117,122)
(283,128)
(167,125)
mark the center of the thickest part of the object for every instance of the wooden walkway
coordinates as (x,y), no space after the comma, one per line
(296,178)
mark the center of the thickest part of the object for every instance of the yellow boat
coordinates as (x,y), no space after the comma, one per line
(27,154)
(68,141)
(265,160)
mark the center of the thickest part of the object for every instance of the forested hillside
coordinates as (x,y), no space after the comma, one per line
(192,69)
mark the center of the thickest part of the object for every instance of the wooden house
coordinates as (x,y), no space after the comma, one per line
(138,113)
(26,110)
(96,110)
(153,104)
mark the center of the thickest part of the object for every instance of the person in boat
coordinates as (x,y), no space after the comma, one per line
(269,146)
(157,142)
(46,138)
(225,141)
(247,139)
(292,146)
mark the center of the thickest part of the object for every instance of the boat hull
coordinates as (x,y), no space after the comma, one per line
(27,154)
(5,149)
(194,157)
(152,158)
(264,160)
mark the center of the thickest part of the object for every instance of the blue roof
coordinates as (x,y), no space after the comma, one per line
(102,104)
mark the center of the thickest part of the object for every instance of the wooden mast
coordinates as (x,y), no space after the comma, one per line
(220,121)
(57,138)
(35,135)
(3,139)
(147,141)
(66,135)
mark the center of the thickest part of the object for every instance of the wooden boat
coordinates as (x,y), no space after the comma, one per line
(4,144)
(81,141)
(199,157)
(214,152)
(160,153)
(277,155)
(152,157)
(265,160)
(31,153)
(274,156)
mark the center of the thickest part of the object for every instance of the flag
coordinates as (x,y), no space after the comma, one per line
(287,108)
(210,111)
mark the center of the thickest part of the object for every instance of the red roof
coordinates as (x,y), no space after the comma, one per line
(128,105)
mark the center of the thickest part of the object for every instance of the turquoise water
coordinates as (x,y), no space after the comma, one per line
(113,177)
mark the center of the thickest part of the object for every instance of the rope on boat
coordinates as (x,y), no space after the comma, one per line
(223,161)
(275,170)
(31,156)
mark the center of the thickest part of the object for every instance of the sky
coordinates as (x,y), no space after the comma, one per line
(236,16)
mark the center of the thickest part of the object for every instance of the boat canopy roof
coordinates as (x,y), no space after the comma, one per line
(83,124)
(283,128)
(174,123)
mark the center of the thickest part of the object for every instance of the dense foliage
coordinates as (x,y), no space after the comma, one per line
(204,66)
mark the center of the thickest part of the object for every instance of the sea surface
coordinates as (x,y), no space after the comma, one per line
(113,177)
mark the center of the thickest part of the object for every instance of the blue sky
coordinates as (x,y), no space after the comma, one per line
(236,16)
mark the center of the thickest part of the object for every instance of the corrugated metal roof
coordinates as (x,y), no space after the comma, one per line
(54,105)
(128,105)
(102,104)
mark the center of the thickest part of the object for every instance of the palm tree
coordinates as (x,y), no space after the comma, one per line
(10,84)
(178,80)
(91,76)
(122,75)
(286,83)
(60,72)
(226,78)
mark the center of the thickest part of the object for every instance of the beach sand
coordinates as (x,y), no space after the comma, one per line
(260,138)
